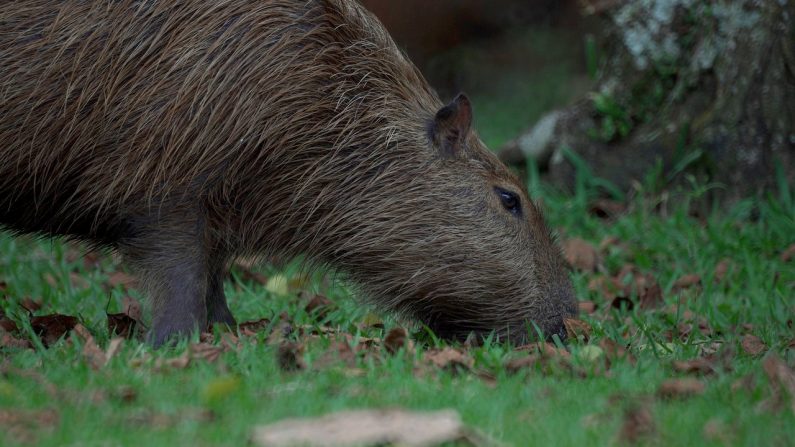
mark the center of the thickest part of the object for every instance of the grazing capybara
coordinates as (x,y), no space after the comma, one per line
(186,133)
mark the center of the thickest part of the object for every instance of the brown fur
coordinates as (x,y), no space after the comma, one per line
(185,133)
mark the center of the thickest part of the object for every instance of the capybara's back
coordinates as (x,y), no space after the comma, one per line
(183,133)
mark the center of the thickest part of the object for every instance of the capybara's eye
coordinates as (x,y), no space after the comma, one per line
(510,201)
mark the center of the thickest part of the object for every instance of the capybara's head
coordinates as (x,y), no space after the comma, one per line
(446,233)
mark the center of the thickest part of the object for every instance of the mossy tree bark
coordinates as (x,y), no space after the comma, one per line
(704,87)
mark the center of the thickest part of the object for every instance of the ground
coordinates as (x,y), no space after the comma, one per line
(737,319)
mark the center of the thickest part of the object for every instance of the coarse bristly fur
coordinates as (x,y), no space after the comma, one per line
(184,133)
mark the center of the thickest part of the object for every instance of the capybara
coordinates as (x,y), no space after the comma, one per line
(185,133)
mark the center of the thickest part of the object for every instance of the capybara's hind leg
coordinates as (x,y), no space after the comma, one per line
(169,254)
(217,309)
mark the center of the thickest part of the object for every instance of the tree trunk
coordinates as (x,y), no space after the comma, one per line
(703,87)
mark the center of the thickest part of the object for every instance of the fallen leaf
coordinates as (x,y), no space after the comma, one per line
(180,362)
(52,328)
(649,291)
(788,254)
(577,329)
(132,308)
(319,306)
(124,326)
(339,351)
(722,269)
(687,281)
(6,323)
(396,339)
(24,425)
(94,356)
(206,351)
(586,307)
(717,431)
(698,365)
(637,424)
(449,358)
(290,356)
(614,351)
(753,345)
(30,304)
(681,388)
(251,328)
(781,377)
(580,254)
(114,346)
(366,428)
(9,341)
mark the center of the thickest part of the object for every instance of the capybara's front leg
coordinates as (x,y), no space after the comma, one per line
(170,257)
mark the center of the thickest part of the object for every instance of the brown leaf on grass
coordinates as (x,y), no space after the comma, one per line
(637,423)
(396,339)
(449,358)
(124,326)
(680,388)
(606,208)
(23,426)
(586,307)
(52,327)
(290,356)
(319,306)
(122,279)
(788,254)
(93,354)
(206,351)
(339,351)
(649,291)
(614,351)
(251,328)
(687,281)
(580,254)
(577,329)
(611,289)
(753,345)
(699,365)
(9,341)
(132,307)
(280,334)
(30,304)
(7,324)
(722,269)
(369,428)
(162,364)
(781,377)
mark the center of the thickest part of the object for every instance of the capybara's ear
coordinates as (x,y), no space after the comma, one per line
(451,126)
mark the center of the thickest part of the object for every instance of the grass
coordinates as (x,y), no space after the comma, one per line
(133,401)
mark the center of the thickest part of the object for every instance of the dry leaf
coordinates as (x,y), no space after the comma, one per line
(132,308)
(722,269)
(580,254)
(586,307)
(649,291)
(449,358)
(251,328)
(685,387)
(290,356)
(30,304)
(52,328)
(206,351)
(319,306)
(366,428)
(577,329)
(9,341)
(396,338)
(753,345)
(698,365)
(93,354)
(788,254)
(637,424)
(781,376)
(686,281)
(124,326)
